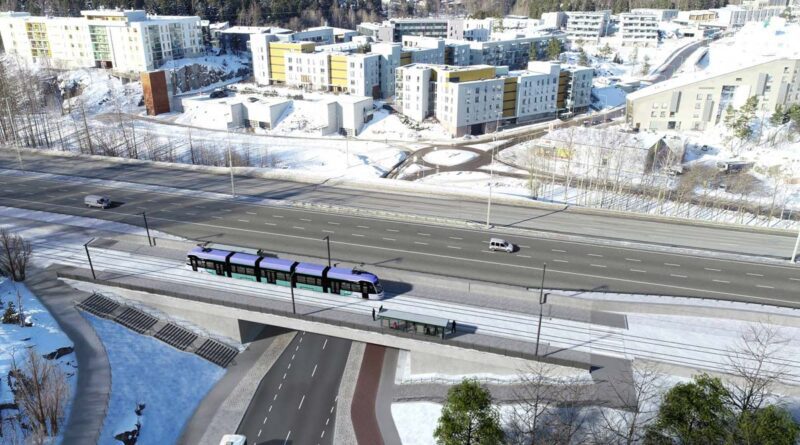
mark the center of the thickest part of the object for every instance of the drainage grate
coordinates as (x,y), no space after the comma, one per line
(99,305)
(176,336)
(136,320)
(217,353)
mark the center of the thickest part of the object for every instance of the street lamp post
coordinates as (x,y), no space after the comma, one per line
(91,266)
(230,164)
(328,239)
(489,203)
(542,301)
(796,245)
(291,289)
(147,229)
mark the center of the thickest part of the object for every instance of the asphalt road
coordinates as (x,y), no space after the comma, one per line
(560,220)
(421,248)
(295,401)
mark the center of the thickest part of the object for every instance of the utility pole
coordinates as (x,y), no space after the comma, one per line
(230,164)
(328,239)
(796,245)
(86,246)
(147,228)
(489,203)
(542,301)
(291,289)
(14,133)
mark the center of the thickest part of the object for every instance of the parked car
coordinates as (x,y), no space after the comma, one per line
(233,439)
(102,202)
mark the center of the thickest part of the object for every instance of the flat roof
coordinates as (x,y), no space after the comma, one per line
(417,318)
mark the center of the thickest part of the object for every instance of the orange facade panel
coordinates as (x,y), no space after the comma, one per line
(156,93)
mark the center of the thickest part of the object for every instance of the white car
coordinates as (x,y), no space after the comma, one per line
(501,244)
(233,439)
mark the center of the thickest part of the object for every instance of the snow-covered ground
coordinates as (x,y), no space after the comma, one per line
(169,383)
(449,157)
(45,336)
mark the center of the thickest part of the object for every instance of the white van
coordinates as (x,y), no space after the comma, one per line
(102,202)
(500,244)
(233,439)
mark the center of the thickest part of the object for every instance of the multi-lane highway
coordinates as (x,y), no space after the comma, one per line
(551,219)
(295,401)
(418,247)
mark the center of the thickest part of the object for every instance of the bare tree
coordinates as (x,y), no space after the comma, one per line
(527,419)
(15,253)
(641,394)
(42,392)
(757,364)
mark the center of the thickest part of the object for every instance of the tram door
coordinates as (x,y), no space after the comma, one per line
(364,290)
(220,268)
(336,287)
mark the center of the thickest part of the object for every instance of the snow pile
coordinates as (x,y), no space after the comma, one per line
(393,126)
(449,157)
(169,383)
(45,335)
(98,92)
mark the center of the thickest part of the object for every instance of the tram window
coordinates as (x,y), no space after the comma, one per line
(243,270)
(208,264)
(282,276)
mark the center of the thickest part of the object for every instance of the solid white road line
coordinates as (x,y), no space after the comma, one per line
(755,274)
(638,270)
(277,216)
(389,239)
(251,213)
(243,220)
(677,276)
(598,265)
(333,223)
(305,219)
(712,270)
(314,371)
(523,256)
(301,402)
(423,234)
(454,247)
(392,230)
(285,441)
(594,255)
(420,243)
(298,228)
(721,281)
(672,265)
(633,259)
(328,231)
(325,344)
(560,261)
(558,250)
(362,227)
(270,224)
(357,234)
(455,237)
(765,287)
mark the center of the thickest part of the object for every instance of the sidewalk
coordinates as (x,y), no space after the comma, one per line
(365,419)
(90,402)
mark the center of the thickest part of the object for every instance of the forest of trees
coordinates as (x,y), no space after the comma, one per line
(297,14)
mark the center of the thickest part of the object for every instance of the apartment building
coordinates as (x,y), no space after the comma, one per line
(699,102)
(297,64)
(513,52)
(477,99)
(662,15)
(393,30)
(321,35)
(735,16)
(587,26)
(696,17)
(574,89)
(57,42)
(128,41)
(555,20)
(638,29)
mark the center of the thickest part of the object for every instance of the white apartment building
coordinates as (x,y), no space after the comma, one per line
(364,75)
(700,102)
(537,90)
(638,29)
(735,16)
(576,83)
(57,42)
(662,15)
(587,26)
(477,99)
(555,19)
(122,40)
